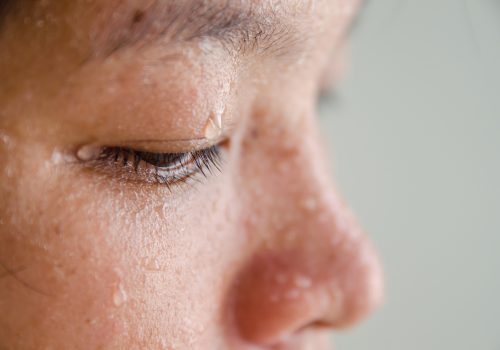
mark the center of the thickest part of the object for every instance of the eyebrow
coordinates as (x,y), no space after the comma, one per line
(239,26)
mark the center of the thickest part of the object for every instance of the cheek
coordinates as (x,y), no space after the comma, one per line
(59,289)
(174,264)
(122,266)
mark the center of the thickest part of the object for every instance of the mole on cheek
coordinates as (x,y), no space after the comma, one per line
(138,17)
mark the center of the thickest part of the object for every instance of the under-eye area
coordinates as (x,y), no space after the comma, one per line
(169,169)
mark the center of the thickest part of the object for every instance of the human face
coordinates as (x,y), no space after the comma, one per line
(162,184)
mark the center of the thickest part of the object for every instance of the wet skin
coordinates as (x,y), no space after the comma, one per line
(163,184)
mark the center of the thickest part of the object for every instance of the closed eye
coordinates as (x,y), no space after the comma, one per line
(161,168)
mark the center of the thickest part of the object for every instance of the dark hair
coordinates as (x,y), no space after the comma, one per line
(5,5)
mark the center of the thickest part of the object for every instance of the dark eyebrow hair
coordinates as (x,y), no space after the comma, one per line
(238,25)
(4,9)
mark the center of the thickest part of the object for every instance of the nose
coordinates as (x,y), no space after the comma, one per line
(311,265)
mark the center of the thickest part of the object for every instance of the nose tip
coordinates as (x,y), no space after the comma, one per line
(358,285)
(282,293)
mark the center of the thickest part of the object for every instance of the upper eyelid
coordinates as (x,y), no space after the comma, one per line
(171,146)
(89,151)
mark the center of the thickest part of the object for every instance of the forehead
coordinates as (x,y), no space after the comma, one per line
(102,43)
(108,24)
(118,7)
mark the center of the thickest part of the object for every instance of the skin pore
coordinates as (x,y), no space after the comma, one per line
(162,182)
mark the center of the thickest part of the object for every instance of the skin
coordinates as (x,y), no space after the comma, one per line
(261,255)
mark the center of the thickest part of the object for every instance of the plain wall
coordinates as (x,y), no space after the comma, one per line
(414,132)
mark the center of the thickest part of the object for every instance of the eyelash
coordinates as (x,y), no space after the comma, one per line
(162,168)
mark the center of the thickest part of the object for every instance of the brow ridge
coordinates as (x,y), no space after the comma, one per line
(239,26)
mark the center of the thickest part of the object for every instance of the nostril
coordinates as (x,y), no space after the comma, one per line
(282,293)
(316,325)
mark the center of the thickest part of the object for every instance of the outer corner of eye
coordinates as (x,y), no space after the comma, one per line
(88,152)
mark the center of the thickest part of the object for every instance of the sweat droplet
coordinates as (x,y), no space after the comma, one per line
(293,294)
(213,128)
(88,152)
(310,204)
(119,296)
(151,264)
(302,282)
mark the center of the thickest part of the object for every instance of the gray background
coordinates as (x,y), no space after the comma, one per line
(414,132)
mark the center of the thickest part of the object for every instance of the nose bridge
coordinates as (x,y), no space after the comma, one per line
(302,211)
(291,189)
(312,263)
